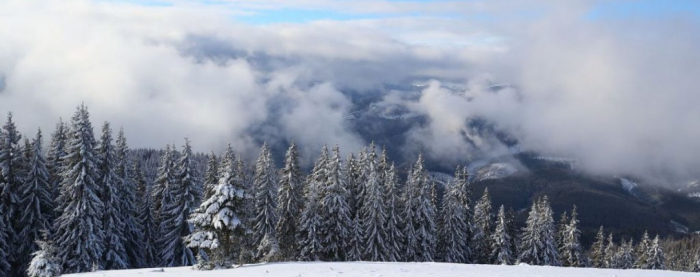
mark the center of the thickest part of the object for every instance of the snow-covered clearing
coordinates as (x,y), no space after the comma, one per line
(368,269)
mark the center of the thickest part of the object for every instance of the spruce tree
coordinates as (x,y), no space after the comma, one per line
(550,255)
(163,184)
(598,250)
(629,256)
(424,222)
(374,217)
(319,174)
(656,259)
(309,236)
(44,262)
(461,180)
(452,240)
(357,240)
(290,203)
(410,246)
(114,256)
(501,240)
(218,219)
(626,257)
(394,221)
(361,179)
(335,212)
(248,247)
(211,178)
(610,250)
(129,204)
(37,203)
(174,226)
(512,232)
(643,252)
(265,189)
(57,149)
(352,172)
(79,231)
(11,179)
(149,228)
(531,241)
(561,232)
(572,254)
(4,247)
(481,232)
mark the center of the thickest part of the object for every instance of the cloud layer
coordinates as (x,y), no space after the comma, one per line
(619,95)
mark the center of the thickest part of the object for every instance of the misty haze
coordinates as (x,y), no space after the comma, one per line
(153,134)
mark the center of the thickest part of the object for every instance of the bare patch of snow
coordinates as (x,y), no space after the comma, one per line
(495,171)
(628,185)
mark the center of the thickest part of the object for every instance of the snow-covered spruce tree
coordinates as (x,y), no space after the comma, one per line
(461,180)
(561,232)
(242,174)
(616,259)
(550,255)
(512,231)
(309,236)
(501,240)
(44,262)
(410,246)
(335,212)
(627,256)
(656,259)
(114,255)
(362,172)
(394,221)
(424,221)
(247,249)
(354,252)
(572,254)
(162,186)
(290,203)
(531,241)
(319,175)
(57,149)
(11,179)
(265,190)
(481,230)
(218,220)
(79,232)
(129,204)
(610,250)
(643,252)
(149,228)
(351,170)
(383,166)
(452,240)
(598,250)
(37,203)
(268,249)
(174,225)
(211,178)
(4,247)
(374,217)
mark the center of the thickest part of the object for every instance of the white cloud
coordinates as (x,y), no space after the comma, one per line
(620,96)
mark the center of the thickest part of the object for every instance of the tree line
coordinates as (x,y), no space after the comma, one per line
(87,205)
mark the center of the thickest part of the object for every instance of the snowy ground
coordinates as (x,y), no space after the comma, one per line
(367,269)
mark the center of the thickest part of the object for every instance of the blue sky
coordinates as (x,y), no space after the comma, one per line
(293,12)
